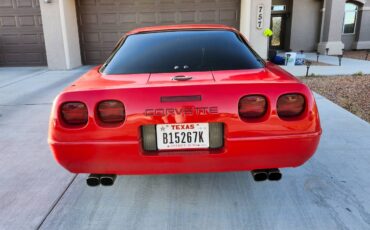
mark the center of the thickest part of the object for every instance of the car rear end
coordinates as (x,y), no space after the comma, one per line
(189,119)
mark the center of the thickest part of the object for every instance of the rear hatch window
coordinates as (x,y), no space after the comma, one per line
(182,51)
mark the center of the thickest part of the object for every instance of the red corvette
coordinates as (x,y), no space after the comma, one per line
(184,99)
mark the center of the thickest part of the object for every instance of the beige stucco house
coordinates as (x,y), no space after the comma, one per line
(65,34)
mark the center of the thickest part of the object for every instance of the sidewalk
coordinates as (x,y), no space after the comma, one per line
(349,66)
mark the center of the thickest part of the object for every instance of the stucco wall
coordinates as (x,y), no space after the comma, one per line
(61,34)
(365,23)
(348,40)
(362,40)
(249,22)
(306,24)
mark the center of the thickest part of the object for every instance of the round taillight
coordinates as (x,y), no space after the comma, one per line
(290,105)
(111,111)
(252,106)
(74,113)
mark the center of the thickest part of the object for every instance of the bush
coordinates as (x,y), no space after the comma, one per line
(360,73)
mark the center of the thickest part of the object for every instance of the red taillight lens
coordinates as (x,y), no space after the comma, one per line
(74,113)
(252,106)
(290,105)
(111,111)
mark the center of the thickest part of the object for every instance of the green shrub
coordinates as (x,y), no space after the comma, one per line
(360,73)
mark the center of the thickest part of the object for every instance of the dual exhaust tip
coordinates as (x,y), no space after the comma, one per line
(94,180)
(266,174)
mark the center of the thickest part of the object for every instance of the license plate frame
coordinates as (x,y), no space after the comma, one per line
(182,136)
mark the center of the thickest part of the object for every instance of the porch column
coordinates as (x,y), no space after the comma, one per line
(332,27)
(61,34)
(363,32)
(249,11)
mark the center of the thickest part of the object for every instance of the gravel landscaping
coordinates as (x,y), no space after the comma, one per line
(315,63)
(350,92)
(357,54)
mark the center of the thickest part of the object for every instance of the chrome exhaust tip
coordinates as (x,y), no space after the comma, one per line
(274,174)
(93,180)
(108,180)
(259,175)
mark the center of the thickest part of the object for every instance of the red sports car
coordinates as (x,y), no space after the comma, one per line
(184,99)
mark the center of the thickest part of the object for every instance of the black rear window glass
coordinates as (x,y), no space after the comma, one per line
(182,51)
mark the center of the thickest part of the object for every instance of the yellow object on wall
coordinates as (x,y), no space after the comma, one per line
(268,33)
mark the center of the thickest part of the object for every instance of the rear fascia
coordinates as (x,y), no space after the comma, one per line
(269,143)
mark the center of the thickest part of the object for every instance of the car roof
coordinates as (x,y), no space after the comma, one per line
(181,27)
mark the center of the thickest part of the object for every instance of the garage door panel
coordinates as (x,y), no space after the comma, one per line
(98,39)
(208,16)
(22,39)
(88,19)
(24,57)
(167,17)
(24,3)
(27,20)
(6,4)
(110,37)
(21,35)
(8,21)
(94,56)
(127,18)
(108,18)
(24,48)
(228,15)
(30,58)
(102,23)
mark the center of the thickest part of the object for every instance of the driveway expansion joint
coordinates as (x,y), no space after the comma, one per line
(56,202)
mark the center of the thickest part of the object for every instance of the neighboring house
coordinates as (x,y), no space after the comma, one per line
(64,34)
(320,24)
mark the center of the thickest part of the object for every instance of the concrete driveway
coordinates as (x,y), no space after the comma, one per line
(331,191)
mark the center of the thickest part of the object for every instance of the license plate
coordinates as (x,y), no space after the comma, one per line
(183,136)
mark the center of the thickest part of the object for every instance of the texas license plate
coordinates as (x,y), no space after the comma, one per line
(183,136)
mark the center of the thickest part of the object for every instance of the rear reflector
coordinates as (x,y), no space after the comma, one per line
(290,105)
(74,113)
(252,106)
(149,137)
(216,135)
(111,111)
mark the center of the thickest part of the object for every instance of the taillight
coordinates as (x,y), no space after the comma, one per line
(111,111)
(74,113)
(290,105)
(252,106)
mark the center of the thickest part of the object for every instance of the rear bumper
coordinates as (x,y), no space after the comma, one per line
(239,154)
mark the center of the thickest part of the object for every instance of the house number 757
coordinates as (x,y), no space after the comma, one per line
(260,11)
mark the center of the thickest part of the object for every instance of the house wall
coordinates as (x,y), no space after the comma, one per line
(306,24)
(63,45)
(62,35)
(363,28)
(365,24)
(348,40)
(332,26)
(256,38)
